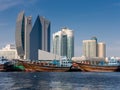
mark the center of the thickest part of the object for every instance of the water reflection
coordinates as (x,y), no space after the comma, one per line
(5,81)
(59,81)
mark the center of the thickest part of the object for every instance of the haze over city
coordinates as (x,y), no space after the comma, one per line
(88,18)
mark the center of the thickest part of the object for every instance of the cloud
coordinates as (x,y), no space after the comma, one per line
(6,4)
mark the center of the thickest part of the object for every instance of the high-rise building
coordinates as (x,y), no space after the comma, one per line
(89,48)
(63,43)
(23,28)
(92,48)
(101,48)
(19,36)
(39,37)
(28,28)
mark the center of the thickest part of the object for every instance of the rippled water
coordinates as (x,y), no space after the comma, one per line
(59,81)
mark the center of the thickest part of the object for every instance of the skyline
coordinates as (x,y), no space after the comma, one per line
(86,18)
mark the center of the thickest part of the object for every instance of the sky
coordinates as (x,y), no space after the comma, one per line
(87,18)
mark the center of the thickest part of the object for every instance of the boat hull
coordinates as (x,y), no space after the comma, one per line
(96,68)
(2,67)
(40,68)
(54,69)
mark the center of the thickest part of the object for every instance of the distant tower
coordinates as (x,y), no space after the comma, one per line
(63,43)
(92,48)
(39,37)
(23,27)
(94,38)
(101,50)
(89,48)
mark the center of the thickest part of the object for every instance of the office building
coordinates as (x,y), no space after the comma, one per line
(63,43)
(9,52)
(39,37)
(28,28)
(101,48)
(92,48)
(89,48)
(23,29)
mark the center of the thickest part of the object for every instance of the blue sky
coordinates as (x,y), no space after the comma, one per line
(88,18)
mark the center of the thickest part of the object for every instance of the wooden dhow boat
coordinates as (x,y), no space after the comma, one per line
(97,66)
(39,67)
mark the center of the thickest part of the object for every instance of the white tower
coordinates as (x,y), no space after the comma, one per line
(63,43)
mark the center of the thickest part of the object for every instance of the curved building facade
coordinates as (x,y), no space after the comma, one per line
(19,35)
(23,29)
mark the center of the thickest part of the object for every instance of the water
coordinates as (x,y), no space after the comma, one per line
(59,81)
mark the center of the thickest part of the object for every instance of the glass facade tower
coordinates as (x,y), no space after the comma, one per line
(63,43)
(39,37)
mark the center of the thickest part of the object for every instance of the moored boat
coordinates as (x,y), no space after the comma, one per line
(99,66)
(29,67)
(1,67)
(2,62)
(10,66)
